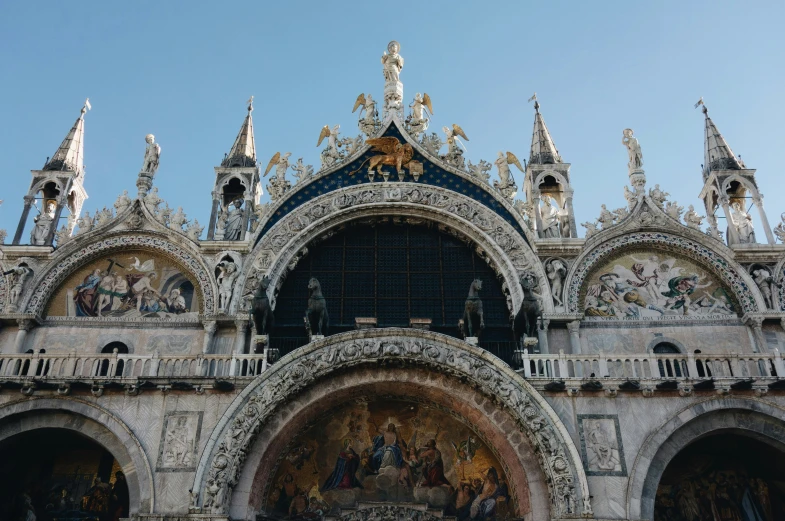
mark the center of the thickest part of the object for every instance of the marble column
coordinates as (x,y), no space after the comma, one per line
(537,214)
(246,217)
(23,220)
(756,324)
(542,337)
(55,220)
(570,213)
(732,237)
(764,221)
(213,216)
(575,337)
(239,340)
(210,327)
(25,325)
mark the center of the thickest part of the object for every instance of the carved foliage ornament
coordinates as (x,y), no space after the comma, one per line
(52,278)
(287,379)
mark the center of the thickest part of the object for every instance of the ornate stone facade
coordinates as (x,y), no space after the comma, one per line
(187,363)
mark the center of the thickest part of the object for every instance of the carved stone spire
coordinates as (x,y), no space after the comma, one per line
(543,151)
(69,157)
(243,151)
(717,153)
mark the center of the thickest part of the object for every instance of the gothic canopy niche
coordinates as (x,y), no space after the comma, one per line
(657,276)
(124,278)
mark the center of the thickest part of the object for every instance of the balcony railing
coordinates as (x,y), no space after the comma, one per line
(535,367)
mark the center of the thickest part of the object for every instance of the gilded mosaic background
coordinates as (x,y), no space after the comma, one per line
(388,450)
(651,284)
(128,284)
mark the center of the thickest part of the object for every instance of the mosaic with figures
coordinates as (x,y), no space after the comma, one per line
(129,284)
(651,284)
(389,451)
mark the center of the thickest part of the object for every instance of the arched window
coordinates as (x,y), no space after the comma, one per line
(111,348)
(668,368)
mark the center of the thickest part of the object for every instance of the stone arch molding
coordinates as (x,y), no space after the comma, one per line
(496,241)
(706,254)
(74,255)
(95,422)
(223,457)
(754,418)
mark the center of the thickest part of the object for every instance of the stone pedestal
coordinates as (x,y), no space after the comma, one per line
(420,323)
(314,338)
(144,183)
(473,340)
(365,322)
(393,99)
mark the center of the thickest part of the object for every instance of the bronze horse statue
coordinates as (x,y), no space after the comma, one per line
(525,322)
(473,318)
(316,317)
(260,311)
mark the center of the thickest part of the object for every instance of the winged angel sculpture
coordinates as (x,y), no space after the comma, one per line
(278,183)
(454,155)
(422,109)
(331,154)
(506,183)
(369,123)
(391,152)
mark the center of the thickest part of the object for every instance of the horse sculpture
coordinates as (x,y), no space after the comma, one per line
(261,312)
(316,318)
(473,319)
(525,323)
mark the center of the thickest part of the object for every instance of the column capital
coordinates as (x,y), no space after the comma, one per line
(210,326)
(574,326)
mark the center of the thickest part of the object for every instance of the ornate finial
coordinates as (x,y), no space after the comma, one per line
(536,103)
(86,106)
(699,103)
(250,104)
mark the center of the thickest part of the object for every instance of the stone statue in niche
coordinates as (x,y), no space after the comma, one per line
(473,318)
(525,322)
(765,281)
(43,224)
(152,156)
(556,271)
(551,219)
(742,221)
(233,221)
(227,275)
(17,277)
(316,317)
(261,312)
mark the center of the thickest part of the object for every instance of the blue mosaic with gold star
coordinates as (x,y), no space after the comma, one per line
(432,175)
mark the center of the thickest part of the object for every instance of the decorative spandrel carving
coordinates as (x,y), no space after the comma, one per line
(480,170)
(601,445)
(179,442)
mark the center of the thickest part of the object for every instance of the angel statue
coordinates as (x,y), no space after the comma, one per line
(506,183)
(454,154)
(331,154)
(422,109)
(304,172)
(633,149)
(278,183)
(368,123)
(391,152)
(152,155)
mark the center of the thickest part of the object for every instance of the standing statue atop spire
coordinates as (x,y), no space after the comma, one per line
(392,63)
(152,155)
(633,149)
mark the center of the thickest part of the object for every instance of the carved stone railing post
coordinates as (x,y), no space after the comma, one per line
(692,367)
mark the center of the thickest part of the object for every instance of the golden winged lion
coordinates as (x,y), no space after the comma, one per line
(392,153)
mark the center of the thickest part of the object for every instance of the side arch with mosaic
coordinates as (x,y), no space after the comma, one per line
(653,274)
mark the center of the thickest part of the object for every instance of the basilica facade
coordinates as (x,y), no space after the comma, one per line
(395,333)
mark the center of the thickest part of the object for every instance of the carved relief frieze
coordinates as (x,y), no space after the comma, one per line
(179,441)
(601,446)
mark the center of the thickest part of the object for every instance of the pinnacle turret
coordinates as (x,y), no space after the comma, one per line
(243,152)
(717,154)
(543,150)
(69,157)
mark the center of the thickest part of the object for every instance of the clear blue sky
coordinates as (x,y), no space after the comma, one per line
(183,70)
